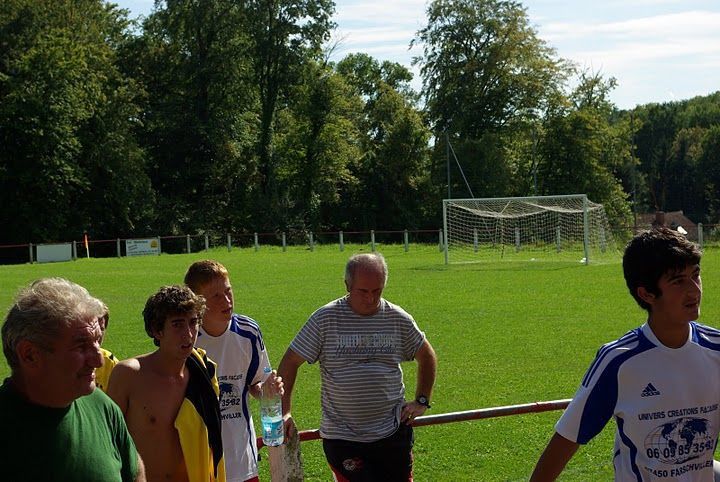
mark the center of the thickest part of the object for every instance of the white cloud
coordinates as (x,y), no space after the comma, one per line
(385,12)
(686,24)
(662,41)
(376,35)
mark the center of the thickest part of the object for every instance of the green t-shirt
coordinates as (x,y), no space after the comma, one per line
(87,441)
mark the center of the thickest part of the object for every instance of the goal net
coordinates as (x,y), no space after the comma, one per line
(564,228)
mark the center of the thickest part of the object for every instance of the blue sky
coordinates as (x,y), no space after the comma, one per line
(658,50)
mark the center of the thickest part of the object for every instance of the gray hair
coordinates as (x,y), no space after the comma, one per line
(366,261)
(41,310)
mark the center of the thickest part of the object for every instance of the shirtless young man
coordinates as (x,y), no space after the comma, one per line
(169,396)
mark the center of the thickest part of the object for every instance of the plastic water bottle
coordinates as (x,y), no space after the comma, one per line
(271,416)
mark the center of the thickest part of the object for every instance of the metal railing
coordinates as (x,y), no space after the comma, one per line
(285,460)
(707,235)
(190,243)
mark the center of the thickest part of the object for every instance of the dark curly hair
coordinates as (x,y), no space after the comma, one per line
(168,301)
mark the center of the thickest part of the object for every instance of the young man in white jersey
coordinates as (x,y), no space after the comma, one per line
(235,343)
(660,382)
(360,340)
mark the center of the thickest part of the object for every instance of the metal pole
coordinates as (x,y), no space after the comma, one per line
(634,171)
(700,234)
(74,250)
(257,245)
(586,230)
(284,242)
(117,245)
(187,243)
(494,412)
(312,242)
(534,161)
(372,240)
(405,240)
(229,242)
(207,242)
(30,253)
(342,241)
(558,240)
(480,414)
(445,229)
(447,162)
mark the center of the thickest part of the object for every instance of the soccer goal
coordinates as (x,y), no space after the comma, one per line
(563,228)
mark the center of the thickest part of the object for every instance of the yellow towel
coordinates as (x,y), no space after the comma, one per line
(198,422)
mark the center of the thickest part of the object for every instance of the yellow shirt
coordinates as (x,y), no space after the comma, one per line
(102,374)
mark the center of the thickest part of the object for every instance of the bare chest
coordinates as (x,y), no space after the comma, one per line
(154,403)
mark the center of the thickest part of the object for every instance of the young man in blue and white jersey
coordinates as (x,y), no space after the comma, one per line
(660,382)
(235,343)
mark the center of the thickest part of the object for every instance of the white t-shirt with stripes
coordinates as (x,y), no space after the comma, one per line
(664,401)
(362,384)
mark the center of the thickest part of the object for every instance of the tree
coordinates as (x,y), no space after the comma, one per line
(318,142)
(284,34)
(199,118)
(483,66)
(486,77)
(583,149)
(66,122)
(394,188)
(653,143)
(710,166)
(672,146)
(687,181)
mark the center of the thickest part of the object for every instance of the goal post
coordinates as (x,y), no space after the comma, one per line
(564,228)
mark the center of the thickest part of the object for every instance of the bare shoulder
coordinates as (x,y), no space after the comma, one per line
(127,372)
(131,366)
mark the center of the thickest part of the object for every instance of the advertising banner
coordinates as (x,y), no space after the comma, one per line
(142,247)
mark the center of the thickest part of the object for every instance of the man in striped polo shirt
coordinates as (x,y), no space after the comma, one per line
(360,340)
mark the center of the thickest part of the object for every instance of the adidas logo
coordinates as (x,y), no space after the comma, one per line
(649,391)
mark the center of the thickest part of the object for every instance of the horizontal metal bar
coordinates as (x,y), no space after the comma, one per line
(493,412)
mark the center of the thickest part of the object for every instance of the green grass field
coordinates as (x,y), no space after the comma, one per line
(505,333)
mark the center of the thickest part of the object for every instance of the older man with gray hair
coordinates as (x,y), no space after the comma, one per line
(56,424)
(360,340)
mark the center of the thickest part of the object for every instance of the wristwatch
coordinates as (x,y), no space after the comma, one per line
(422,400)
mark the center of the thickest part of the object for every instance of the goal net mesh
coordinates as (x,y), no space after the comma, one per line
(564,228)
